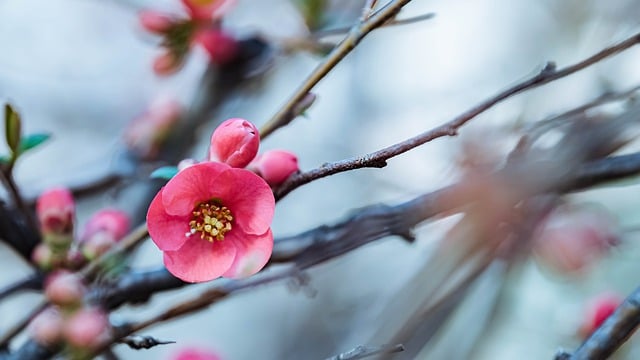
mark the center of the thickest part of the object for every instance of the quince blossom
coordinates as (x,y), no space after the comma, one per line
(213,220)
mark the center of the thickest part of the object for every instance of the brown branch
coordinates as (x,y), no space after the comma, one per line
(612,333)
(378,159)
(285,115)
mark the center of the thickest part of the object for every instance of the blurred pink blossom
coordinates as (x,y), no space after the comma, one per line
(55,209)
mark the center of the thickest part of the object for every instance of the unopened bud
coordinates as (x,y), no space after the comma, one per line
(235,142)
(155,22)
(65,289)
(598,310)
(46,327)
(56,212)
(114,222)
(275,166)
(87,328)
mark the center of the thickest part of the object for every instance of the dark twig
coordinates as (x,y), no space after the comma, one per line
(32,282)
(343,30)
(362,352)
(378,159)
(17,328)
(613,332)
(357,33)
(138,342)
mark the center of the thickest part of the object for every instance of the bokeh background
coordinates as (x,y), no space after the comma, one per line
(81,69)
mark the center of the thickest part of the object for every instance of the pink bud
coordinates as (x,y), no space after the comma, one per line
(56,211)
(87,328)
(97,245)
(195,354)
(146,133)
(46,327)
(155,22)
(204,10)
(574,239)
(275,166)
(43,257)
(235,142)
(114,222)
(166,63)
(64,288)
(221,47)
(598,310)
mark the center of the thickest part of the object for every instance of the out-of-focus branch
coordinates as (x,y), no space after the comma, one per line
(33,282)
(612,333)
(286,114)
(143,342)
(362,352)
(378,159)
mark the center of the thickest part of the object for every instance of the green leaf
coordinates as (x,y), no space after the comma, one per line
(165,172)
(32,140)
(12,125)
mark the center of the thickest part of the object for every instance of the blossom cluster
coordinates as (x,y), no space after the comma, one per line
(213,217)
(202,27)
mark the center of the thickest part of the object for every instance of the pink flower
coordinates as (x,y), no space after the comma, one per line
(56,211)
(275,166)
(87,328)
(195,354)
(43,257)
(155,22)
(235,142)
(212,220)
(221,47)
(207,9)
(598,310)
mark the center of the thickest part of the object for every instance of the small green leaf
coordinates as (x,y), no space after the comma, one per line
(32,140)
(165,172)
(12,125)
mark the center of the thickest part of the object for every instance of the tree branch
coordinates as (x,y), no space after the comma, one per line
(378,159)
(286,114)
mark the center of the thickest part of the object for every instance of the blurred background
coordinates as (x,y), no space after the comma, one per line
(82,70)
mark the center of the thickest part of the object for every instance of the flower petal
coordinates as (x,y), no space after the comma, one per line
(252,254)
(191,186)
(248,197)
(166,231)
(199,260)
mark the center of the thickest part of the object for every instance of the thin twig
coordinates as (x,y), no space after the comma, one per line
(362,352)
(17,328)
(379,158)
(343,30)
(357,33)
(138,342)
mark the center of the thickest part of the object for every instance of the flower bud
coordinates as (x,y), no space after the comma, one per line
(55,209)
(43,257)
(145,134)
(46,327)
(275,166)
(166,63)
(220,46)
(97,245)
(155,22)
(195,354)
(597,311)
(574,239)
(87,328)
(64,288)
(235,142)
(113,222)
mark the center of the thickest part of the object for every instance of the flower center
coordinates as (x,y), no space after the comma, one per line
(211,220)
